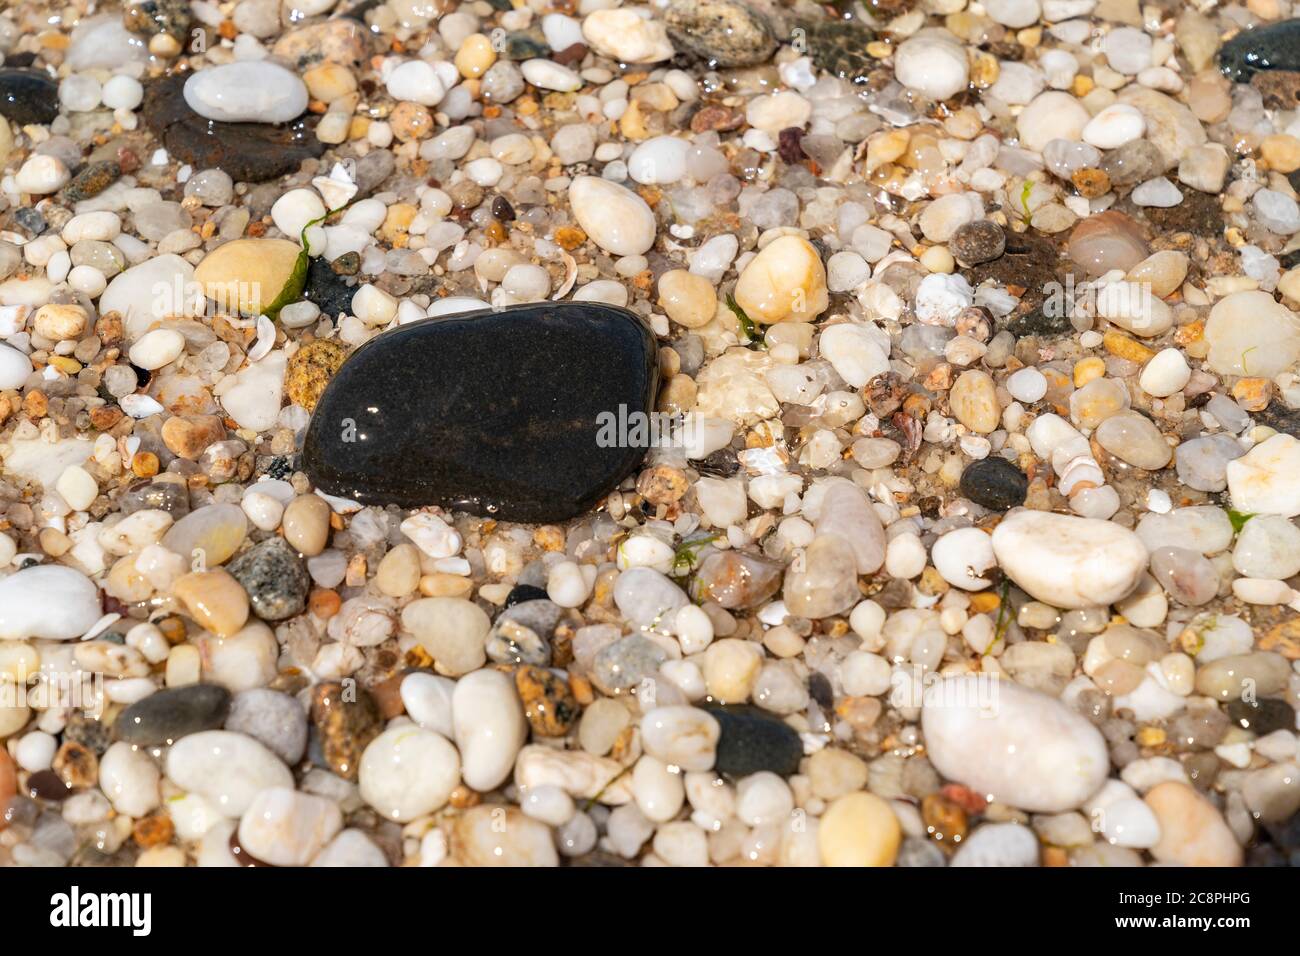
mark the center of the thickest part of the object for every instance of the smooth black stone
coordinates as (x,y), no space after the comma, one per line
(28,96)
(1266,48)
(328,289)
(172,714)
(497,413)
(994,483)
(248,152)
(521,593)
(752,740)
(1263,716)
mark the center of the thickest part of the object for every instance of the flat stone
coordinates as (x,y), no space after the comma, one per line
(1265,48)
(248,152)
(173,713)
(495,413)
(753,740)
(725,33)
(28,96)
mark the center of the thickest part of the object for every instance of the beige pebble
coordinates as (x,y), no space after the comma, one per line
(689,300)
(329,82)
(215,600)
(307,524)
(974,400)
(786,282)
(60,321)
(730,668)
(399,571)
(858,829)
(475,56)
(1192,831)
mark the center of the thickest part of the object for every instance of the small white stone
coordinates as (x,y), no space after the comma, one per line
(427,699)
(1158,192)
(123,93)
(567,586)
(285,827)
(42,175)
(1067,561)
(1051,115)
(962,556)
(77,487)
(1027,384)
(614,217)
(50,602)
(933,63)
(1266,480)
(624,35)
(1166,373)
(1114,126)
(230,769)
(129,778)
(998,844)
(490,727)
(157,348)
(1128,50)
(546,75)
(684,737)
(246,92)
(432,535)
(854,352)
(1048,758)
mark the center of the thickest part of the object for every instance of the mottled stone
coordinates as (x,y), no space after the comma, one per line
(724,33)
(497,413)
(753,740)
(549,704)
(274,577)
(92,180)
(310,369)
(173,713)
(347,718)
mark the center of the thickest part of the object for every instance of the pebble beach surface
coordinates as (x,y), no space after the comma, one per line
(973,542)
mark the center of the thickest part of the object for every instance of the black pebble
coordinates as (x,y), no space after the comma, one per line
(327,289)
(524,592)
(173,713)
(753,740)
(523,414)
(994,483)
(1262,717)
(1276,47)
(28,96)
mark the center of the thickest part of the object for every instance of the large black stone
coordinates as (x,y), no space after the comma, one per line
(1276,47)
(28,96)
(753,740)
(494,412)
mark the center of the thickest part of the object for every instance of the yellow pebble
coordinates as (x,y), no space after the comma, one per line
(1082,85)
(475,56)
(63,363)
(858,829)
(1119,344)
(1085,370)
(1281,152)
(938,259)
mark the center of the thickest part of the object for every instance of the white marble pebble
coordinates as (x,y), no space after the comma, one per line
(122,93)
(1114,126)
(1049,758)
(77,487)
(286,827)
(407,772)
(568,585)
(49,602)
(35,751)
(998,844)
(227,768)
(684,737)
(351,848)
(157,348)
(546,75)
(432,535)
(490,727)
(427,699)
(129,778)
(933,63)
(41,175)
(547,803)
(15,367)
(246,92)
